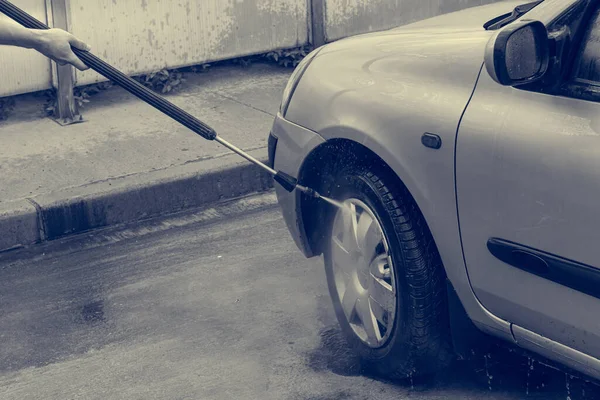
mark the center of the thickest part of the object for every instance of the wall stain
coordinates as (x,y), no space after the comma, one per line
(151,38)
(352,17)
(238,28)
(219,30)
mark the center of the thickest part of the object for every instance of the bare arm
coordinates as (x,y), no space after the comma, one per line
(54,43)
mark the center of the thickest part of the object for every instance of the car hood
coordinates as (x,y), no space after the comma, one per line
(401,65)
(469,18)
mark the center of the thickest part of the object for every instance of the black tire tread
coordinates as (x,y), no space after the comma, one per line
(430,347)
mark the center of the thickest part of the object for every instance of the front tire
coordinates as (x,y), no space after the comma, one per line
(385,276)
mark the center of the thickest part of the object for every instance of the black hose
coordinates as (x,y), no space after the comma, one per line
(113,74)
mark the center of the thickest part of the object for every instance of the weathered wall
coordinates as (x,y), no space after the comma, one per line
(139,36)
(350,17)
(22,70)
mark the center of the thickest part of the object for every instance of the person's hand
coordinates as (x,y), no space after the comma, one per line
(56,45)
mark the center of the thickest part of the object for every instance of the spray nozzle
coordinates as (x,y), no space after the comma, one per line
(311,193)
(288,182)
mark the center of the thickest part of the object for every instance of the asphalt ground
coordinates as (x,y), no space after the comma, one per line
(207,304)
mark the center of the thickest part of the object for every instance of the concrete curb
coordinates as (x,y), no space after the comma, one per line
(129,199)
(18,224)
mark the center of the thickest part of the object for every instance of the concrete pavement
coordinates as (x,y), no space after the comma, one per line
(128,161)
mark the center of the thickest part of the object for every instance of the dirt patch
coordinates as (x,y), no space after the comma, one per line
(334,354)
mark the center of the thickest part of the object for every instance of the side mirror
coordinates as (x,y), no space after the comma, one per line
(519,53)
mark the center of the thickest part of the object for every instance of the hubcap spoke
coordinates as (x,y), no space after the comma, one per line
(353,236)
(373,238)
(379,313)
(364,224)
(348,229)
(341,256)
(369,322)
(382,292)
(350,299)
(363,273)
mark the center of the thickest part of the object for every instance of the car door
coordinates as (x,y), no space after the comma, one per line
(528,192)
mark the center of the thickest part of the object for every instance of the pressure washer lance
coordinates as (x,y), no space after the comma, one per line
(288,182)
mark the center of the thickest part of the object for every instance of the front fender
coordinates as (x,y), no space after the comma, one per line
(429,176)
(385,92)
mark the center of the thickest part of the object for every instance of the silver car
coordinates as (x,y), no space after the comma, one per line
(468,148)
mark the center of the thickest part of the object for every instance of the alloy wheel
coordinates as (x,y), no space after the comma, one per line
(363,273)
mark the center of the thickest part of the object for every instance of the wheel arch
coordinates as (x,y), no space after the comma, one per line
(317,172)
(428,176)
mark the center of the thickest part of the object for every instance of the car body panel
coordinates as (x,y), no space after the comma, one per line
(404,73)
(527,172)
(568,356)
(385,90)
(294,144)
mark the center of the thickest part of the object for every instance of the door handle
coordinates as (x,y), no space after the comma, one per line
(519,258)
(575,275)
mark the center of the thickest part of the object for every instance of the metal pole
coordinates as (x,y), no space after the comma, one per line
(318,23)
(67,112)
(247,156)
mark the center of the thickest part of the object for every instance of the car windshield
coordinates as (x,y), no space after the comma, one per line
(517,13)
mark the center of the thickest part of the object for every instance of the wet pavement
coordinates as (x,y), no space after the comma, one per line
(212,304)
